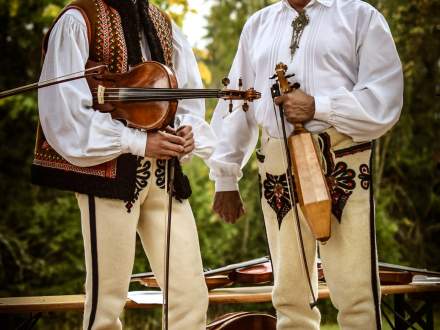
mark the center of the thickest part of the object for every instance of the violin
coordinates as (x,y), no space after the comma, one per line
(259,272)
(256,271)
(146,97)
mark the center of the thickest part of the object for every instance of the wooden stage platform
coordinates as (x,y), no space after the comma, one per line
(245,295)
(406,315)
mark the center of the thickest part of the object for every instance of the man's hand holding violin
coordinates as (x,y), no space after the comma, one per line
(170,143)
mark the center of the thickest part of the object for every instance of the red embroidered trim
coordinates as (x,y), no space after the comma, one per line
(164,30)
(107,170)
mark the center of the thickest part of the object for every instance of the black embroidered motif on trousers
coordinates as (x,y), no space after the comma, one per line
(276,192)
(340,178)
(160,173)
(364,176)
(142,176)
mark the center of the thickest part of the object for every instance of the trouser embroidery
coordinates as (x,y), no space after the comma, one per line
(115,241)
(349,258)
(142,176)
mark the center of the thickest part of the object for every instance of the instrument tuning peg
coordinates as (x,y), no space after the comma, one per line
(230,106)
(290,76)
(226,81)
(245,107)
(296,85)
(240,84)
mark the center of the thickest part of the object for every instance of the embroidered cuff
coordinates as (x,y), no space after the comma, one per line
(133,141)
(228,183)
(322,108)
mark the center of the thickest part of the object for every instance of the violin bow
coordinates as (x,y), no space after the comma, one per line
(171,176)
(276,91)
(54,81)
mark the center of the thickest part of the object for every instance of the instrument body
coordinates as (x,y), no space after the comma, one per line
(244,321)
(149,115)
(311,186)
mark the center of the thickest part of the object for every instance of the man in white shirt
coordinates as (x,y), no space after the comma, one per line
(119,173)
(343,55)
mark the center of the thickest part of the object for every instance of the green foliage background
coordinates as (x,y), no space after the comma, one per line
(40,238)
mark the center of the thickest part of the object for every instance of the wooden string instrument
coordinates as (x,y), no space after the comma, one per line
(311,186)
(145,97)
(259,272)
(251,272)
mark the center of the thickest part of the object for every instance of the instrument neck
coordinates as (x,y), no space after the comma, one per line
(299,129)
(158,94)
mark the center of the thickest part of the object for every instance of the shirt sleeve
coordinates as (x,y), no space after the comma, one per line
(84,137)
(374,105)
(237,132)
(191,112)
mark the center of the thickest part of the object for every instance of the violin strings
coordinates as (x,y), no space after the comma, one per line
(138,94)
(158,94)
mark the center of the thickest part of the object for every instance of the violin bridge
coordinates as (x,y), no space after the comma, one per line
(100,94)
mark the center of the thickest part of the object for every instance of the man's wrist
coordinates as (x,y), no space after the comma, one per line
(133,141)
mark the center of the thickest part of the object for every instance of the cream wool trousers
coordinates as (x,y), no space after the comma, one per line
(109,230)
(349,258)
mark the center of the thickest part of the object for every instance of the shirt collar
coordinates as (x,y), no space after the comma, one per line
(327,3)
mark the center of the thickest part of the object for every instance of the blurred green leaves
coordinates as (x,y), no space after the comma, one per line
(40,237)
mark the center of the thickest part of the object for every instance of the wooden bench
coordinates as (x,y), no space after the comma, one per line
(404,316)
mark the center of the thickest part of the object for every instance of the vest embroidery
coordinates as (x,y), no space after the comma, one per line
(107,46)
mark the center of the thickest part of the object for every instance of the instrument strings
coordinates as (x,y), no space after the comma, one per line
(156,94)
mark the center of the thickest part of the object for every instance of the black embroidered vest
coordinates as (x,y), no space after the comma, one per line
(117,178)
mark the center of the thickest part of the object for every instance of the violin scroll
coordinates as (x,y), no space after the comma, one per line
(249,95)
(286,87)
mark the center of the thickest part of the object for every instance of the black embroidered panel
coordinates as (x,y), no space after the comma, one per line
(142,175)
(364,176)
(122,187)
(340,178)
(276,192)
(160,173)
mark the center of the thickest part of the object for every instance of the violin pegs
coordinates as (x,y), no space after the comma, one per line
(240,84)
(226,81)
(230,106)
(245,107)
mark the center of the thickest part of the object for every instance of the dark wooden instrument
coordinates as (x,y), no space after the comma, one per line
(146,97)
(311,186)
(244,321)
(256,271)
(259,272)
